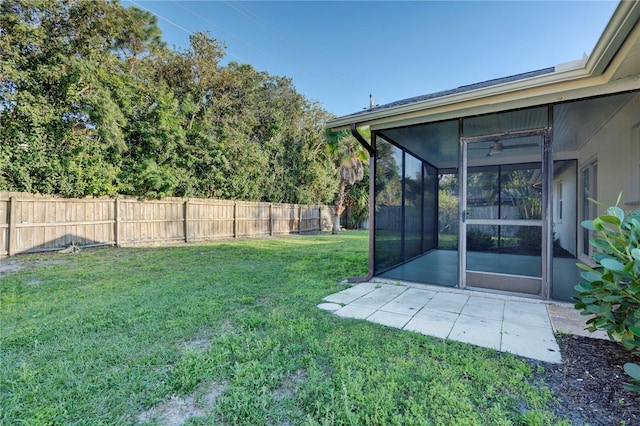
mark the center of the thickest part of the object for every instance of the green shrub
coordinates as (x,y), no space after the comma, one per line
(479,241)
(610,294)
(530,236)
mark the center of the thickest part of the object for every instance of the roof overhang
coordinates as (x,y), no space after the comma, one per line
(613,66)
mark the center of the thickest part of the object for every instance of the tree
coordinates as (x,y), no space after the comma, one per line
(357,201)
(351,156)
(82,113)
(60,124)
(92,102)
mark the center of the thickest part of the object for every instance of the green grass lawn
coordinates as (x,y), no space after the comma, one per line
(229,333)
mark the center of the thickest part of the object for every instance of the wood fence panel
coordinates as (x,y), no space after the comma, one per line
(280,219)
(32,223)
(311,218)
(4,225)
(210,219)
(150,221)
(252,219)
(43,224)
(285,220)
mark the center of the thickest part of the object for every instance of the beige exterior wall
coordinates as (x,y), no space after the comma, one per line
(564,228)
(615,148)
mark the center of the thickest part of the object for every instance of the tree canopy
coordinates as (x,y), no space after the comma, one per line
(92,102)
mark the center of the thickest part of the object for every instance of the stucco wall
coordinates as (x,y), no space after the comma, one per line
(565,229)
(615,147)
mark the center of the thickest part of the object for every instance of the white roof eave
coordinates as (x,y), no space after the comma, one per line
(458,98)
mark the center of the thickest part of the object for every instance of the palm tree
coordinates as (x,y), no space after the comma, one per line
(352,157)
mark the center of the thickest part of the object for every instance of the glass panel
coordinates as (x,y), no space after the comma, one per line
(526,119)
(483,193)
(520,194)
(430,208)
(514,250)
(448,212)
(511,192)
(388,206)
(412,207)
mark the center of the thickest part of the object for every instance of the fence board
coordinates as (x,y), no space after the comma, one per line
(4,226)
(32,223)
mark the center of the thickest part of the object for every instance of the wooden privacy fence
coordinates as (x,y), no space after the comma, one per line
(34,223)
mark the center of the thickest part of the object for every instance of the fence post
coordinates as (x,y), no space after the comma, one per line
(299,219)
(116,225)
(271,219)
(13,208)
(319,218)
(186,221)
(235,220)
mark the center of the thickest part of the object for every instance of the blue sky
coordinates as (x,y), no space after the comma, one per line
(337,52)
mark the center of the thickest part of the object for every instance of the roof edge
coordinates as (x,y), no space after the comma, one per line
(624,18)
(543,80)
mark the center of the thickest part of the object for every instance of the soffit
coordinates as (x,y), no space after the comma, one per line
(630,65)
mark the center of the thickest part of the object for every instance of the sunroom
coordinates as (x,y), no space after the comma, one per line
(484,187)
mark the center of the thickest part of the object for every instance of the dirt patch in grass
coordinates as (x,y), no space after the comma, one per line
(589,382)
(197,344)
(177,410)
(10,266)
(287,388)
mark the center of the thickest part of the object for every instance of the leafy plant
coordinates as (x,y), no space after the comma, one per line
(479,241)
(531,236)
(610,294)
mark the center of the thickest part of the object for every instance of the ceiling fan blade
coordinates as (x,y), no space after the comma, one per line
(522,145)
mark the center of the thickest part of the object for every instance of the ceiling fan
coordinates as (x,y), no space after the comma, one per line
(496,147)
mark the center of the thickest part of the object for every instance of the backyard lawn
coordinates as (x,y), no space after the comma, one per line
(228,333)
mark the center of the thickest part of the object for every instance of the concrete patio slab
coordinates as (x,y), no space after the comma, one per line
(379,297)
(390,319)
(483,307)
(351,294)
(357,312)
(448,302)
(332,307)
(507,323)
(527,314)
(433,323)
(409,302)
(537,334)
(545,348)
(485,332)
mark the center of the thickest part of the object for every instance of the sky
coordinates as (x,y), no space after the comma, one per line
(339,52)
